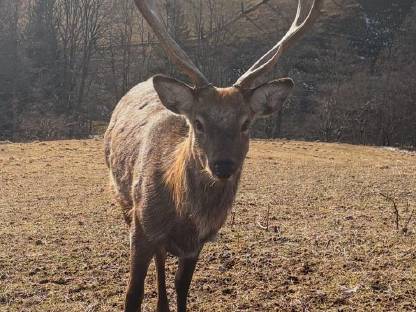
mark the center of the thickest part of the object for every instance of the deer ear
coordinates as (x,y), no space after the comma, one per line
(174,95)
(270,97)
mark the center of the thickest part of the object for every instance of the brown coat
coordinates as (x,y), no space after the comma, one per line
(156,177)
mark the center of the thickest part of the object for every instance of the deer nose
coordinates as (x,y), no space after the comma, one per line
(223,169)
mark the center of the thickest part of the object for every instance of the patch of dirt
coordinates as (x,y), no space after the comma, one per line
(331,242)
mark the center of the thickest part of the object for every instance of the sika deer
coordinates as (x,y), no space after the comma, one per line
(175,154)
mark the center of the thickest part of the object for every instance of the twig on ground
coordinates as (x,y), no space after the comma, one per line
(395,209)
(406,226)
(232,218)
(265,227)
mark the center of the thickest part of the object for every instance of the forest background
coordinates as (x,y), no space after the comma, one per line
(64,64)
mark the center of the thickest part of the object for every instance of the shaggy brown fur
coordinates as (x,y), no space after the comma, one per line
(162,147)
(175,175)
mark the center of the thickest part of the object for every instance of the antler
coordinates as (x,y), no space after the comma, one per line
(172,49)
(268,60)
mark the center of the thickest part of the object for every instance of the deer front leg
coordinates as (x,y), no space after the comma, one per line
(183,279)
(141,253)
(162,301)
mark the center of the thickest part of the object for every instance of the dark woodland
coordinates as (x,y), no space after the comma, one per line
(64,64)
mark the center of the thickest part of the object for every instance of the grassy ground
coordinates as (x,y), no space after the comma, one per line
(332,242)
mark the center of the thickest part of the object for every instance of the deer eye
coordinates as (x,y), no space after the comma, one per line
(245,126)
(199,126)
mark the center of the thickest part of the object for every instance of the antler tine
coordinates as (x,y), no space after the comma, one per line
(176,54)
(268,60)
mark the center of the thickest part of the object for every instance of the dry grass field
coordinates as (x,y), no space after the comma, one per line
(331,243)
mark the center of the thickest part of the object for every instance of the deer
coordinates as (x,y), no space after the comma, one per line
(175,153)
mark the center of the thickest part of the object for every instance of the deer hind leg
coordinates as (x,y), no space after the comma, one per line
(162,301)
(141,253)
(183,280)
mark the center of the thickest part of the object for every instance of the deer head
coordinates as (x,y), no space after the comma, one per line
(220,118)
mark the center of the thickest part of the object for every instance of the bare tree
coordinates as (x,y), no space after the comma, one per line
(10,73)
(79,25)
